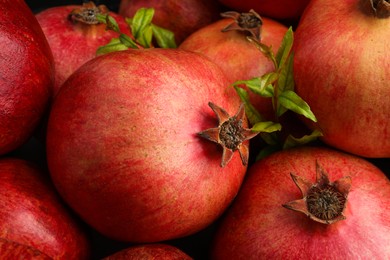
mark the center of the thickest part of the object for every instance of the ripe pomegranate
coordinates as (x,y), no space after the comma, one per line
(279,9)
(74,35)
(123,148)
(257,226)
(238,58)
(150,252)
(182,17)
(346,85)
(26,66)
(34,224)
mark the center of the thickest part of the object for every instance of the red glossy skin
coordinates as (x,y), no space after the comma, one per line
(183,17)
(258,227)
(123,149)
(33,221)
(345,85)
(150,252)
(26,66)
(238,58)
(73,43)
(276,9)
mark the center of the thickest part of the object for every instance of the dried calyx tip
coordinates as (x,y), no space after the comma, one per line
(87,13)
(230,134)
(322,201)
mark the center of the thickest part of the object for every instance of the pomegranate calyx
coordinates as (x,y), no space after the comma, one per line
(377,8)
(87,13)
(323,201)
(247,22)
(230,134)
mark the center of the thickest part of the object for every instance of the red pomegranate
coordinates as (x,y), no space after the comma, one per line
(26,66)
(258,227)
(34,224)
(74,35)
(182,17)
(123,147)
(238,58)
(150,252)
(346,85)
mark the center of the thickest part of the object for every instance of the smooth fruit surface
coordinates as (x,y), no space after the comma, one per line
(258,227)
(26,76)
(34,224)
(347,85)
(123,148)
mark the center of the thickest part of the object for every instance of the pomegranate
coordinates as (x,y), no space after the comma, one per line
(344,197)
(239,58)
(345,85)
(74,35)
(183,17)
(26,77)
(150,252)
(124,128)
(276,9)
(34,224)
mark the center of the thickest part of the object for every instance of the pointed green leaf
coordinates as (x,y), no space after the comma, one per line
(145,38)
(127,41)
(114,45)
(109,21)
(140,21)
(251,113)
(266,126)
(290,100)
(286,76)
(164,37)
(291,141)
(262,85)
(285,48)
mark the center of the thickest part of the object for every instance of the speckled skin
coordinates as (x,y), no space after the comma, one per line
(34,224)
(26,76)
(258,227)
(123,149)
(342,70)
(73,43)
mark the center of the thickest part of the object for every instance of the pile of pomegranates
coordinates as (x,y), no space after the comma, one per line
(222,129)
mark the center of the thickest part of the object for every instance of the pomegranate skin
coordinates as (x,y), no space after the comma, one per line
(73,43)
(276,9)
(345,85)
(150,252)
(237,57)
(258,227)
(26,66)
(182,17)
(34,224)
(123,149)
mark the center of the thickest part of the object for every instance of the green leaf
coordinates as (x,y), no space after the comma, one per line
(286,76)
(145,39)
(127,41)
(266,126)
(291,141)
(109,21)
(251,113)
(290,100)
(164,38)
(140,21)
(285,48)
(114,45)
(262,85)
